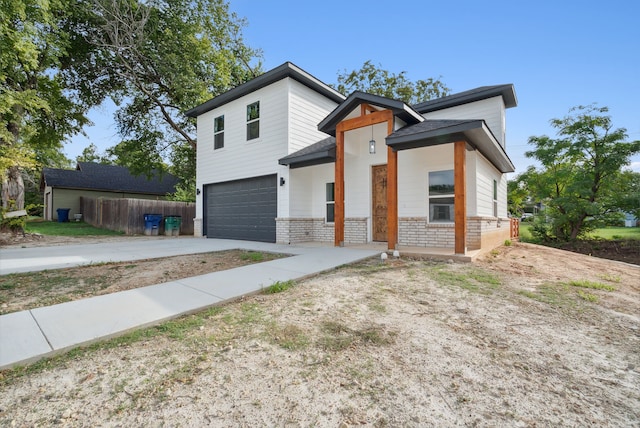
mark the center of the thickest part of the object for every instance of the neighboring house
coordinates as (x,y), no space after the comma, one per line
(63,187)
(285,158)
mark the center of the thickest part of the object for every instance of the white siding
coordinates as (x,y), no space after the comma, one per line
(307,108)
(308,194)
(289,116)
(413,171)
(486,173)
(492,110)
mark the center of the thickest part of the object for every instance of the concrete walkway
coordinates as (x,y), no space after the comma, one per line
(27,336)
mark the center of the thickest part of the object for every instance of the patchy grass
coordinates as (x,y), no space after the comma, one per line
(253,256)
(279,287)
(468,278)
(71,228)
(590,284)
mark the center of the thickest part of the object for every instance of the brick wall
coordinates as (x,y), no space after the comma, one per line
(355,230)
(417,232)
(293,230)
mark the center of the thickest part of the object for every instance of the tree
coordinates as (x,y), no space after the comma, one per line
(165,57)
(91,154)
(381,82)
(39,109)
(580,170)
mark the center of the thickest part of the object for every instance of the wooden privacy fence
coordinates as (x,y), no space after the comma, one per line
(127,215)
(515,229)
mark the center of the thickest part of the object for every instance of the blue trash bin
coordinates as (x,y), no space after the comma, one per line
(63,215)
(152,224)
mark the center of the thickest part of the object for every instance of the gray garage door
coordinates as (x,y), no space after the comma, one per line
(243,209)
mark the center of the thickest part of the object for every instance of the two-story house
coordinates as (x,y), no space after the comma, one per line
(285,158)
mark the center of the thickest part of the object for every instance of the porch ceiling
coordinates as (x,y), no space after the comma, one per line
(436,132)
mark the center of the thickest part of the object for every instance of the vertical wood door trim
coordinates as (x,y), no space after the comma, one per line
(460,196)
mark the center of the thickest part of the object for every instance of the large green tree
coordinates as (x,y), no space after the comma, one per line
(580,170)
(39,110)
(376,80)
(165,57)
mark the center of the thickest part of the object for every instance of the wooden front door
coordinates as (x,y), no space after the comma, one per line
(379,198)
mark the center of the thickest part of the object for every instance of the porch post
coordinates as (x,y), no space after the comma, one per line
(460,196)
(338,214)
(392,192)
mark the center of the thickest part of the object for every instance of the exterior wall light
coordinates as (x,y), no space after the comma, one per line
(372,144)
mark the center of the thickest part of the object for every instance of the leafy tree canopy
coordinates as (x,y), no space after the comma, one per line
(581,171)
(377,81)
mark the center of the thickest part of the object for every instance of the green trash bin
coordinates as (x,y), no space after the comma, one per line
(177,222)
(172,225)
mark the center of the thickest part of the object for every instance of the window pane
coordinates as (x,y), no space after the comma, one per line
(441,182)
(330,213)
(441,209)
(495,190)
(253,111)
(330,192)
(218,124)
(218,141)
(253,130)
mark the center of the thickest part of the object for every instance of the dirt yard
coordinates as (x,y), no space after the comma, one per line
(527,336)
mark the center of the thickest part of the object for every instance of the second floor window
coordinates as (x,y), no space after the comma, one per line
(218,132)
(253,121)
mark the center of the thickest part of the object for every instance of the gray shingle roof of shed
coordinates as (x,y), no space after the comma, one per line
(110,178)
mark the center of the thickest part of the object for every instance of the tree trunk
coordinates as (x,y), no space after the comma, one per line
(13,190)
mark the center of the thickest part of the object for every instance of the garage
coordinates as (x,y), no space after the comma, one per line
(242,209)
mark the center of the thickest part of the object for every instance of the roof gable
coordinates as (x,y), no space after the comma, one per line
(399,108)
(507,92)
(285,70)
(108,178)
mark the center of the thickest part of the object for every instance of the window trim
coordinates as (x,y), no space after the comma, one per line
(435,197)
(255,120)
(328,201)
(495,198)
(218,132)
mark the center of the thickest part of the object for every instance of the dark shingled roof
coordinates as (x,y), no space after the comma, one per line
(287,69)
(506,91)
(399,109)
(435,132)
(324,151)
(108,178)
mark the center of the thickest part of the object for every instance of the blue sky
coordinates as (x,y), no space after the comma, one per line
(558,54)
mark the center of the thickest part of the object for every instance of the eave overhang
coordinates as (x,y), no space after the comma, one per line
(285,70)
(506,91)
(432,133)
(316,154)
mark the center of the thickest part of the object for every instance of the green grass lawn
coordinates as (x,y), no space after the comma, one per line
(603,233)
(70,228)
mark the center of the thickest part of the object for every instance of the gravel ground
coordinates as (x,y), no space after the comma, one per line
(507,341)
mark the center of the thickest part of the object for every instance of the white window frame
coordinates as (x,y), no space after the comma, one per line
(329,202)
(218,132)
(495,198)
(252,121)
(445,197)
